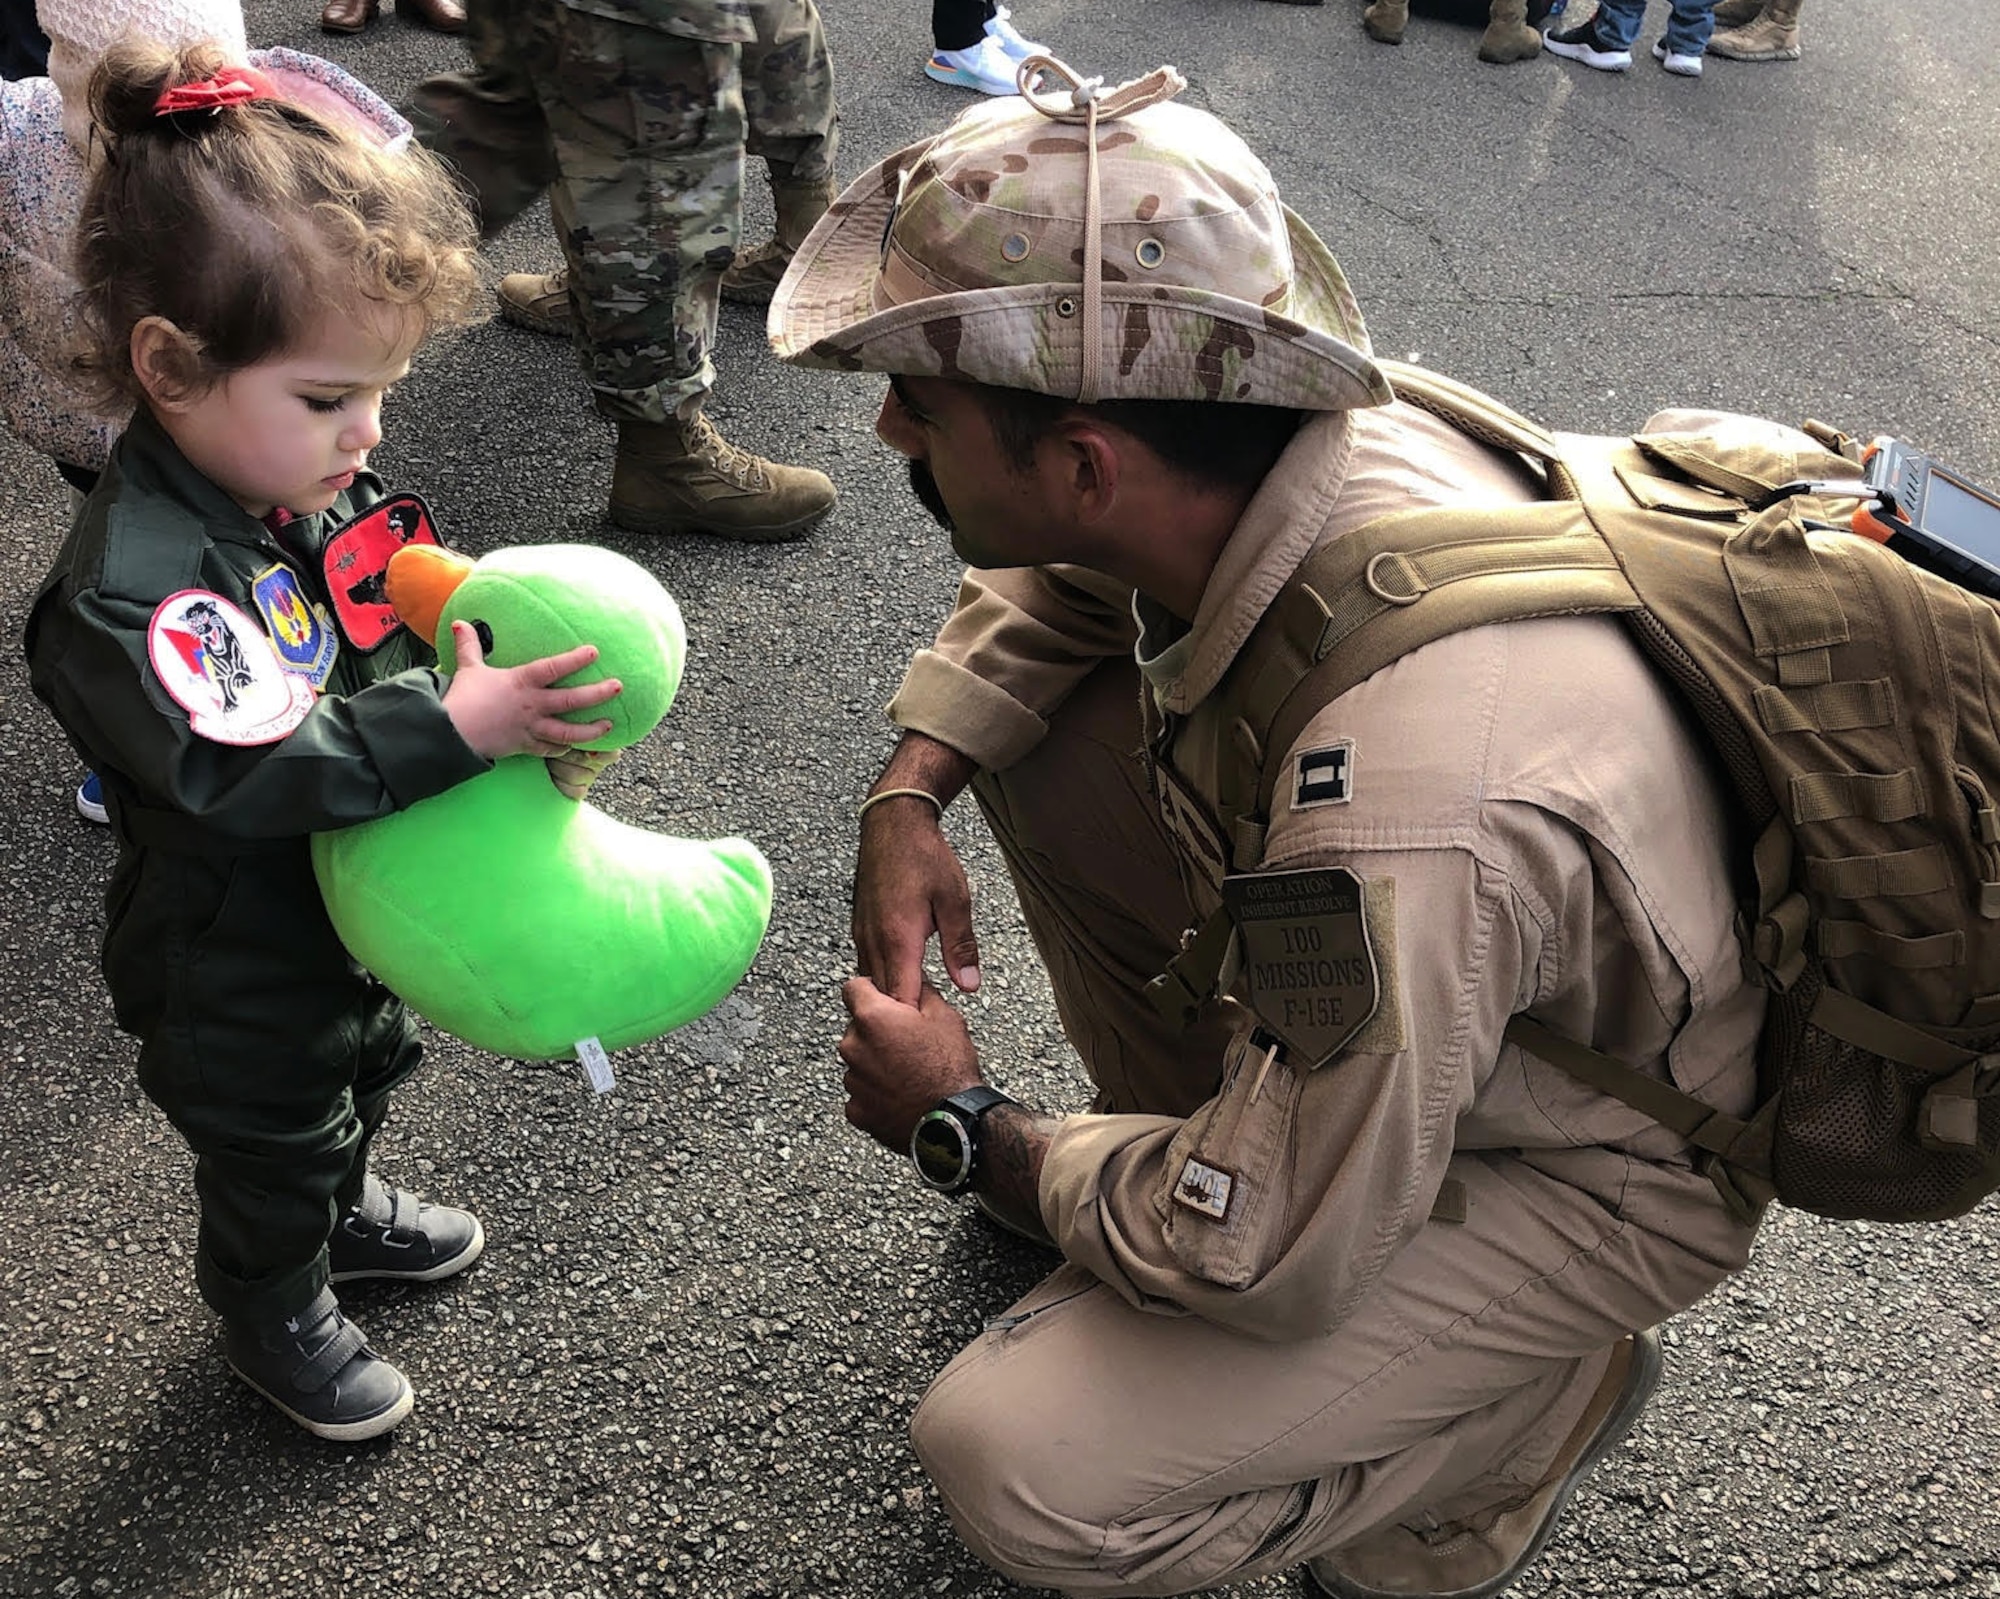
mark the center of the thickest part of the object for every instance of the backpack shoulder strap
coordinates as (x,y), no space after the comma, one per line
(1472,412)
(1350,609)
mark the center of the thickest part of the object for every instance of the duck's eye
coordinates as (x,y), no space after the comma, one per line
(485,636)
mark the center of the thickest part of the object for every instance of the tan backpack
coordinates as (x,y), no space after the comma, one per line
(1849,698)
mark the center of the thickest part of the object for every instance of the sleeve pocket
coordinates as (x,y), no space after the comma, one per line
(1226,1183)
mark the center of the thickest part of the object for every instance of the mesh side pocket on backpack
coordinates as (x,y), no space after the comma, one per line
(1848,1142)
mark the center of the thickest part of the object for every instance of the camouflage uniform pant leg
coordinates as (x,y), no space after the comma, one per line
(647,129)
(788,93)
(488,123)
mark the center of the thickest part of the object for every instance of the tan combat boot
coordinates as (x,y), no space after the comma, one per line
(1385,20)
(684,477)
(538,301)
(1480,1558)
(752,278)
(1773,35)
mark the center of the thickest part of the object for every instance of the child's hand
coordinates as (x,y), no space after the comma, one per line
(513,710)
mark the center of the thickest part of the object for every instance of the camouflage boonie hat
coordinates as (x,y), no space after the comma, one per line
(1087,243)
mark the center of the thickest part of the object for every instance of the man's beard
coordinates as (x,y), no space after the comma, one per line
(925,488)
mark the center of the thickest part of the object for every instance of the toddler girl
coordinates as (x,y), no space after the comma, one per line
(252,280)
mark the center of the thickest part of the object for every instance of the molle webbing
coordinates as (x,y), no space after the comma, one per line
(1352,609)
(1846,697)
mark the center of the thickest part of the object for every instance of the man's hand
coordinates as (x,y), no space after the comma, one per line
(575,770)
(517,710)
(901,1059)
(908,884)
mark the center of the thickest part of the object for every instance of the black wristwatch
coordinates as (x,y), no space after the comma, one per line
(945,1145)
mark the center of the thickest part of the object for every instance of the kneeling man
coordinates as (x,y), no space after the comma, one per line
(1349,1279)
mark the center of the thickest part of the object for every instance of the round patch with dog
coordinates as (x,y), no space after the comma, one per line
(217,665)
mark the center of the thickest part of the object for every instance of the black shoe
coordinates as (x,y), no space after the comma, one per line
(318,1369)
(392,1233)
(1581,43)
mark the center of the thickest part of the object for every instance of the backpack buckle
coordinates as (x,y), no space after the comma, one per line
(1774,946)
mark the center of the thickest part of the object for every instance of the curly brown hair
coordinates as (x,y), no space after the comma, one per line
(245,225)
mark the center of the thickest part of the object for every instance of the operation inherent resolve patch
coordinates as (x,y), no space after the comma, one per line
(1307,959)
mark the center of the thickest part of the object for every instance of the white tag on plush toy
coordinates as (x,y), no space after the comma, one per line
(596,1064)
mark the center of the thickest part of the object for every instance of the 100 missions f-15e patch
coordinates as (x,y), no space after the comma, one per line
(1306,956)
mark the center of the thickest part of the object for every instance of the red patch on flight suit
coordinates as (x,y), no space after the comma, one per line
(357,556)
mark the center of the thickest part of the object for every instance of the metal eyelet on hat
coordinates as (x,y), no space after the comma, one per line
(1149,253)
(1014,247)
(1066,306)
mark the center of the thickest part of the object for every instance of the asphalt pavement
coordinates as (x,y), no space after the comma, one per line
(706,1308)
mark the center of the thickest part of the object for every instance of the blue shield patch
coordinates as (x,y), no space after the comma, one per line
(305,644)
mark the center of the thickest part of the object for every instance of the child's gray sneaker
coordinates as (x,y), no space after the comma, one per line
(318,1369)
(392,1233)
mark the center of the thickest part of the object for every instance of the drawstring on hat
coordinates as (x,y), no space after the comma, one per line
(1087,101)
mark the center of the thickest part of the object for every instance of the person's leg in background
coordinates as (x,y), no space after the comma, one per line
(647,203)
(90,792)
(794,125)
(354,16)
(1756,30)
(1680,48)
(975,45)
(1604,40)
(488,122)
(637,135)
(24,48)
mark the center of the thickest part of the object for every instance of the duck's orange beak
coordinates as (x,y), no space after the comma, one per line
(418,581)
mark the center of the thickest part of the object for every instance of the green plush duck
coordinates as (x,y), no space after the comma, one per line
(506,914)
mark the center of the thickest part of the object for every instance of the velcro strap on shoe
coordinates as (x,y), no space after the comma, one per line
(402,1218)
(395,1210)
(325,1363)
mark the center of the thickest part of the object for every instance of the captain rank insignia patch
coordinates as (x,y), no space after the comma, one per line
(1326,776)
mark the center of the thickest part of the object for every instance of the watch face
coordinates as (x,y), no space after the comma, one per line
(942,1150)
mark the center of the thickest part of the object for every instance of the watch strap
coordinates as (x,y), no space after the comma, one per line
(964,1111)
(973,1103)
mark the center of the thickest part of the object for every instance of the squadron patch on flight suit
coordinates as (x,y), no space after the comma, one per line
(1325,776)
(218,667)
(1307,959)
(297,627)
(357,557)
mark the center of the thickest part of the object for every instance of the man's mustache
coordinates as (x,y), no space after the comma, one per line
(925,488)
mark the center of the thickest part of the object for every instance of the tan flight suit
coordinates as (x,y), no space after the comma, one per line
(1430,1241)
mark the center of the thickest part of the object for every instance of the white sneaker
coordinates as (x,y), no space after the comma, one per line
(1675,62)
(1017,48)
(984,66)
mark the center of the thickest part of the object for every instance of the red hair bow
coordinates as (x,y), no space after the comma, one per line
(230,86)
